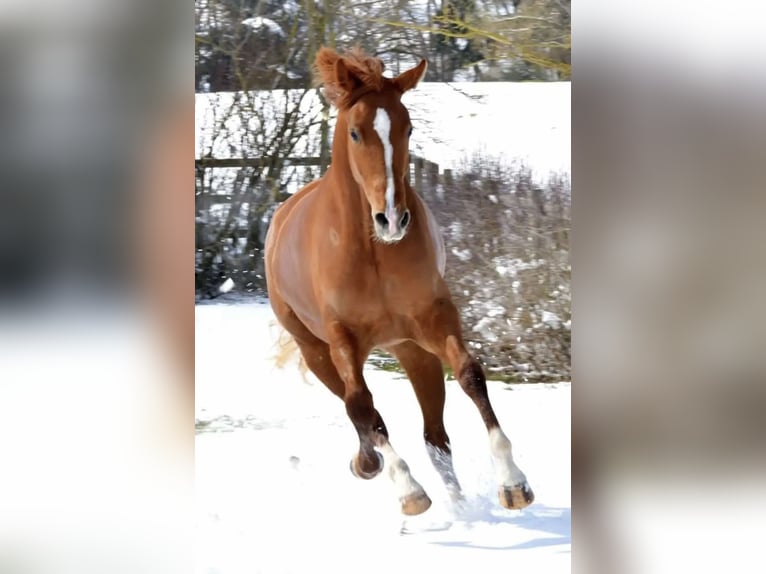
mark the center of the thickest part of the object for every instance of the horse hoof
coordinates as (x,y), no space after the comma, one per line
(415,503)
(357,471)
(516,497)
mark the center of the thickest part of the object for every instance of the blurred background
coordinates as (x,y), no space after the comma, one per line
(668,262)
(99,276)
(96,294)
(490,150)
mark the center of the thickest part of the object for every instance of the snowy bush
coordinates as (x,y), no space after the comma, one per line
(507,239)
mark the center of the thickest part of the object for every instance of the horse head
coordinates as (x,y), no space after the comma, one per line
(372,132)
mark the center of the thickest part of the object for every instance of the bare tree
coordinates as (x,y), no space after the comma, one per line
(261,130)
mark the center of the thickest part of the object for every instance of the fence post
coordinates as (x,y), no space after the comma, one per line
(432,178)
(418,165)
(448,179)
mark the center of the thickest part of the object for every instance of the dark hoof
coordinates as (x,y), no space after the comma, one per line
(516,497)
(357,471)
(416,503)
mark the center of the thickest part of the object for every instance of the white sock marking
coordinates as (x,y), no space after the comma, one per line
(399,472)
(508,474)
(442,461)
(382,125)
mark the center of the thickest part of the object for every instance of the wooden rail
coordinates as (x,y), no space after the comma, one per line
(422,172)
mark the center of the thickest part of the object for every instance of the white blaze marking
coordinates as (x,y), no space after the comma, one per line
(382,125)
(508,474)
(399,472)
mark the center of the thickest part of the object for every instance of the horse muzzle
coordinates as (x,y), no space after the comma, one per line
(392,225)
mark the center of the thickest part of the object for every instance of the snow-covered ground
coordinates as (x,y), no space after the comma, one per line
(275,495)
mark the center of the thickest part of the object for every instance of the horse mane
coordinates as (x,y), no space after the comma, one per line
(367,69)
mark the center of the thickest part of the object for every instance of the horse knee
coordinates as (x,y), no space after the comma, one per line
(474,384)
(472,379)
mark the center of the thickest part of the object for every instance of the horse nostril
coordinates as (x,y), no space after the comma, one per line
(381,219)
(405,218)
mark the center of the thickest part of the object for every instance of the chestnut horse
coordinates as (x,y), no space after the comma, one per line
(355,261)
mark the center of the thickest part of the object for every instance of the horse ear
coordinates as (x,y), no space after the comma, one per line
(345,78)
(409,79)
(331,72)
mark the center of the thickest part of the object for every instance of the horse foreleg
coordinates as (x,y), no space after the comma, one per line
(348,360)
(373,435)
(316,353)
(441,334)
(411,494)
(426,375)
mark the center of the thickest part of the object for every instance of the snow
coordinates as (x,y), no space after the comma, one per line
(259,22)
(551,319)
(484,327)
(290,7)
(274,493)
(527,121)
(511,267)
(462,254)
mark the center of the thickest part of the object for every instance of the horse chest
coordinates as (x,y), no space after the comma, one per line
(375,295)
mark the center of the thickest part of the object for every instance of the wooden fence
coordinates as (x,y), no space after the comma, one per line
(422,171)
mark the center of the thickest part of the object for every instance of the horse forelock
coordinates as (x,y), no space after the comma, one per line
(367,69)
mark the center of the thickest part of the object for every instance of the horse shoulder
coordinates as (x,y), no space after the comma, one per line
(284,210)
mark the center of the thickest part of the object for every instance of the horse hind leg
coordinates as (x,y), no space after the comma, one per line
(426,375)
(514,491)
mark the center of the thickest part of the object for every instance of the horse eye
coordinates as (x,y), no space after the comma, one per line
(354,135)
(409,132)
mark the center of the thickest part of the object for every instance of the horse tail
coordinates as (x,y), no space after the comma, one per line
(287,351)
